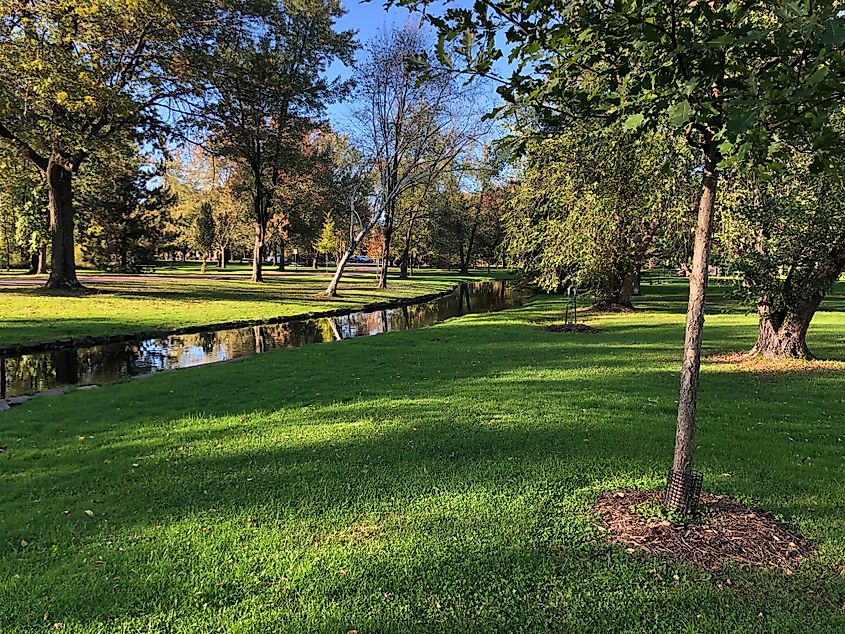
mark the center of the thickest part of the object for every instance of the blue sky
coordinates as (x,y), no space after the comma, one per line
(367,18)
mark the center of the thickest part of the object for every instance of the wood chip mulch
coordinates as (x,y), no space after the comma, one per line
(727,532)
(582,328)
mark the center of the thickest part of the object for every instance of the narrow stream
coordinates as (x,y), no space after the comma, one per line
(31,373)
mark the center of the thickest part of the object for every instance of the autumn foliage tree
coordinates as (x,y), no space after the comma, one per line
(264,86)
(76,74)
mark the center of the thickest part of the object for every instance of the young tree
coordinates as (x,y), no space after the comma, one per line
(78,73)
(722,73)
(265,83)
(328,239)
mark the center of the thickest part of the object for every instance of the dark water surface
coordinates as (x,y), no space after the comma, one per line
(30,373)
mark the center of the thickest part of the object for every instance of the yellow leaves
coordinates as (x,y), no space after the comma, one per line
(62,97)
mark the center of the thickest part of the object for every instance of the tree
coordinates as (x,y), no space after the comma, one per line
(23,193)
(454,221)
(412,208)
(591,207)
(122,211)
(204,233)
(78,73)
(328,239)
(722,73)
(786,236)
(410,128)
(196,177)
(265,83)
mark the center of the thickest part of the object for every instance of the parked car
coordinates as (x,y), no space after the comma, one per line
(361,259)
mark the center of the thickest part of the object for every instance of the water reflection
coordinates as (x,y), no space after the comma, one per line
(112,362)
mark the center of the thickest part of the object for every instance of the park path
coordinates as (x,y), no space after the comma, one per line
(36,281)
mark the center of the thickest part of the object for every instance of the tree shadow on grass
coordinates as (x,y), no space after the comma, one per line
(447,471)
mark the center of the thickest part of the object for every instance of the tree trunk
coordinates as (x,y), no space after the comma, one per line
(406,250)
(466,258)
(314,264)
(258,253)
(42,260)
(63,266)
(680,496)
(331,291)
(124,260)
(782,332)
(382,280)
(281,254)
(33,263)
(626,291)
(784,335)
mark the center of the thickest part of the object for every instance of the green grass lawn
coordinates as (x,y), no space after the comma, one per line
(437,480)
(145,303)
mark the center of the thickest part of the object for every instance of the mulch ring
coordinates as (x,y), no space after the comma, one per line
(582,328)
(726,532)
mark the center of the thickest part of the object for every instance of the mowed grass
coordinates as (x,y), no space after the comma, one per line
(156,302)
(437,480)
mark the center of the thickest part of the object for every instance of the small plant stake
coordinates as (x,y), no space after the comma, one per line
(571,302)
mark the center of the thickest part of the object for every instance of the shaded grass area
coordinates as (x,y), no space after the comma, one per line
(437,480)
(145,303)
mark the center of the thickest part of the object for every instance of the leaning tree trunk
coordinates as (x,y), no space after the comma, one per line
(63,265)
(680,488)
(331,291)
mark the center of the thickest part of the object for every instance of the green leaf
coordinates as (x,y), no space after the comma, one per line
(834,33)
(634,121)
(680,113)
